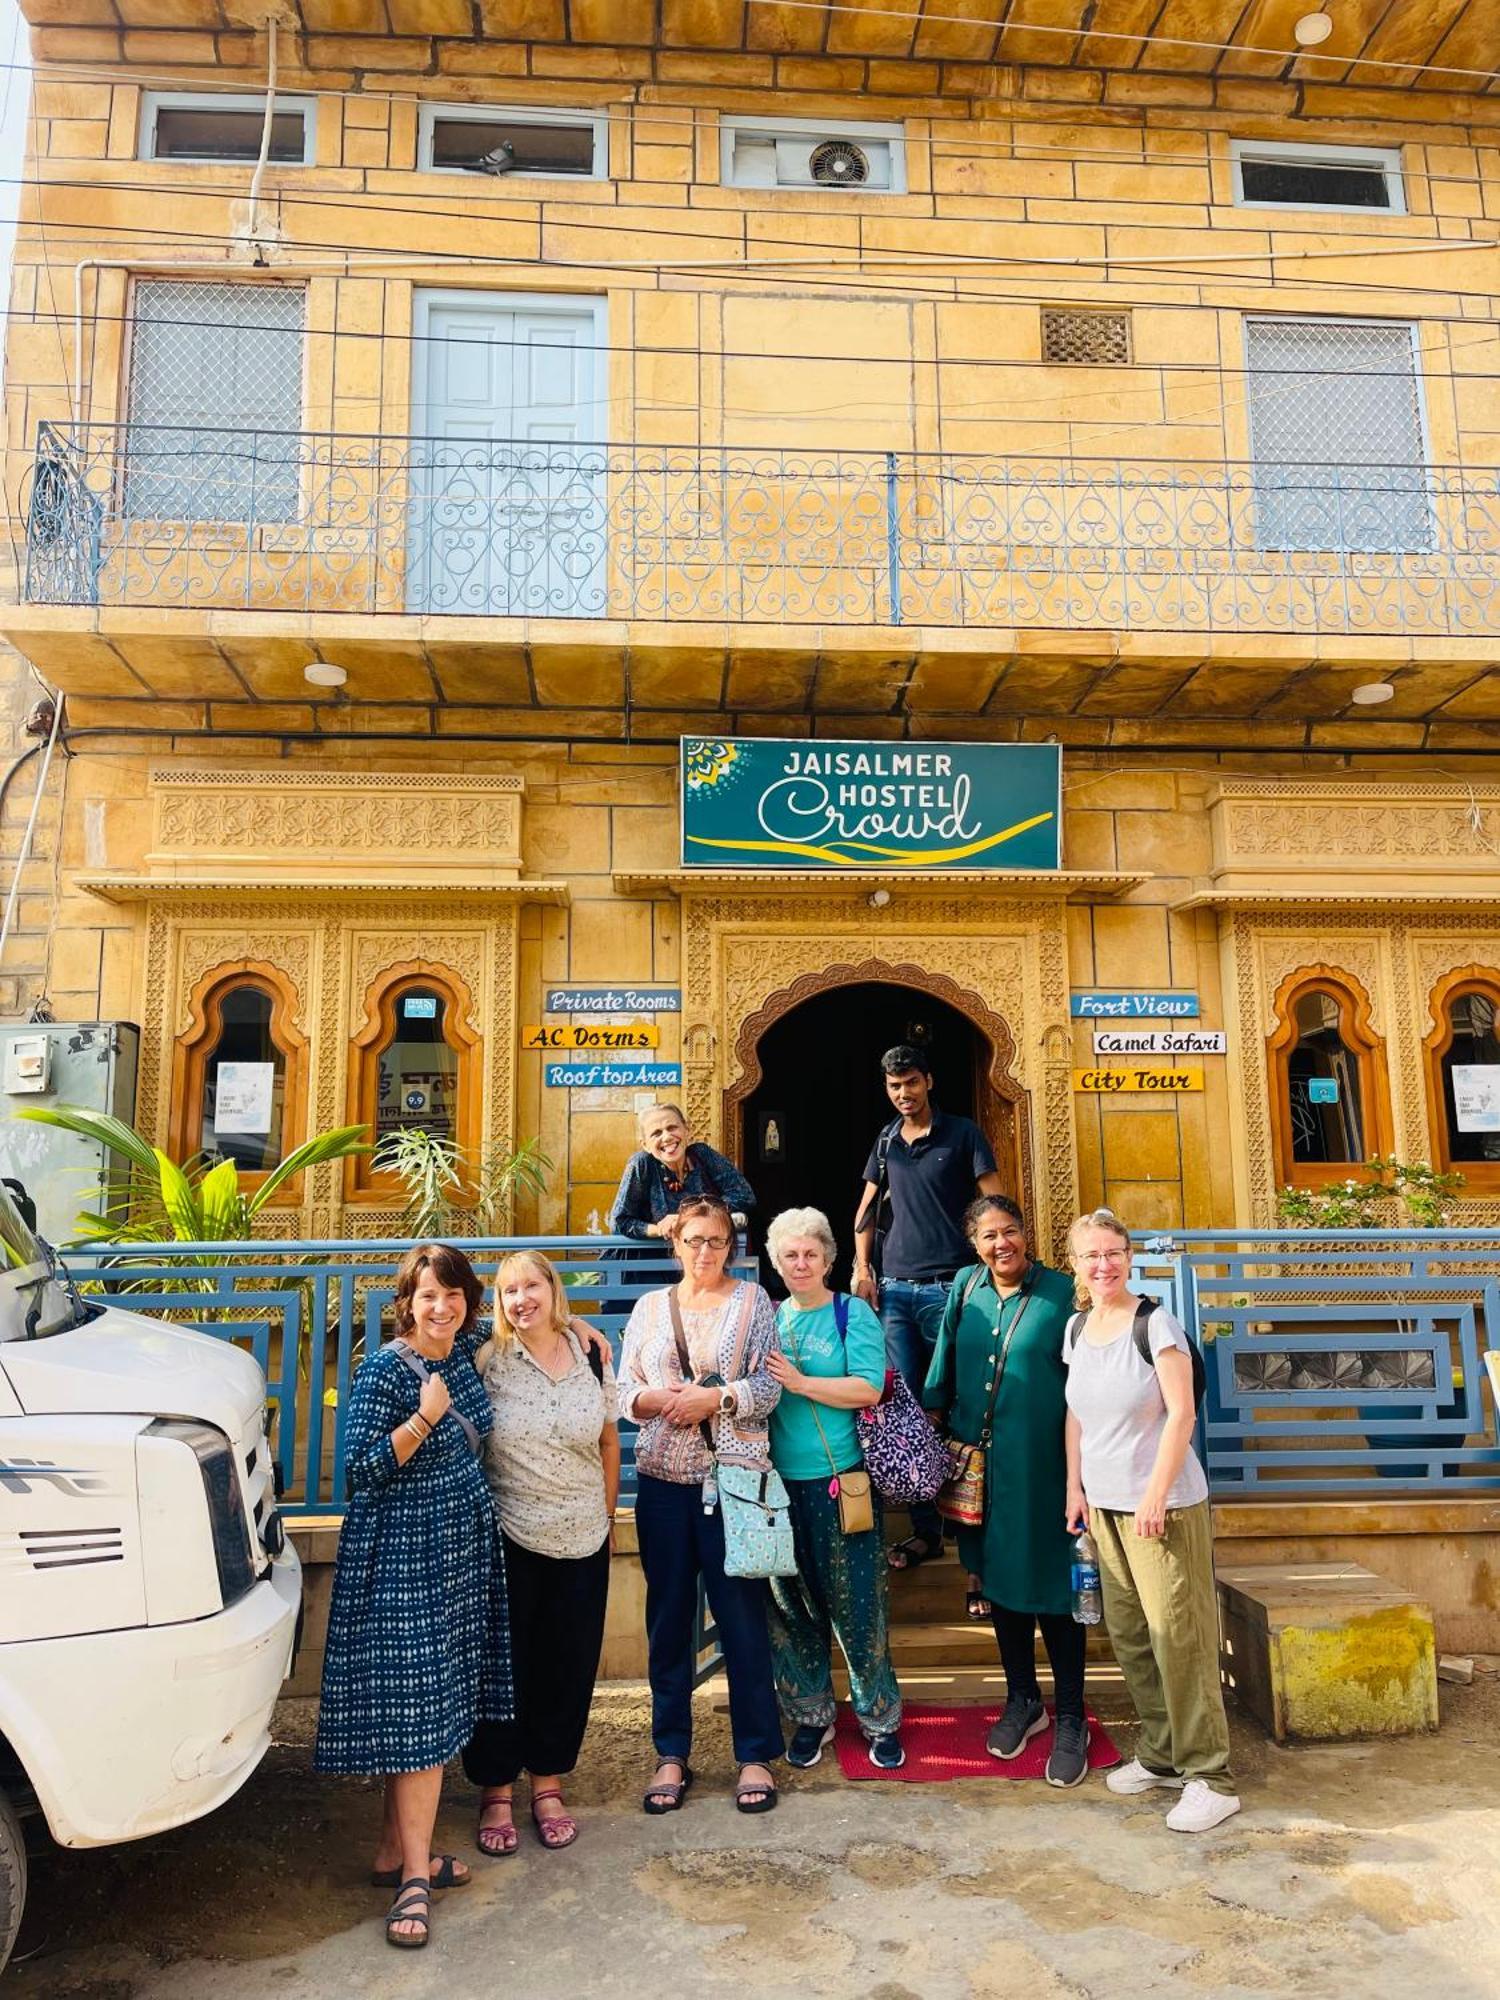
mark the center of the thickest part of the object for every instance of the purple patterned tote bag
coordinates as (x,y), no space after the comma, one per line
(904,1456)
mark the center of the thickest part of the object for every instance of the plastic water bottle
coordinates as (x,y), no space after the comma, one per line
(1088,1602)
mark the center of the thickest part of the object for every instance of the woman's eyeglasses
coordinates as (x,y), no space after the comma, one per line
(696,1244)
(1103,1257)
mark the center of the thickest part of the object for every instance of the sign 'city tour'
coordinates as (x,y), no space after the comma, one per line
(750,802)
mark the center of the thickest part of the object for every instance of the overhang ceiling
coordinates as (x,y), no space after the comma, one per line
(1373,41)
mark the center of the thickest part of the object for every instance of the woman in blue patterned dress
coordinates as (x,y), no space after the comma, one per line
(418,1641)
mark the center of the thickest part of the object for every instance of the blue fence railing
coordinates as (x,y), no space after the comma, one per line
(1340,1363)
(311,1312)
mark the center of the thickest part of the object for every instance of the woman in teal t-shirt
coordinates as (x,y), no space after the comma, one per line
(827,1372)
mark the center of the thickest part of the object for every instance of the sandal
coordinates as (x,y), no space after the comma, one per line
(755,1795)
(500,1837)
(554,1830)
(913,1552)
(976,1605)
(444,1875)
(665,1795)
(415,1891)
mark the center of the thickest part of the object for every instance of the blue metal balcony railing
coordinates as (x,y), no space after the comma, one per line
(1340,1364)
(290,521)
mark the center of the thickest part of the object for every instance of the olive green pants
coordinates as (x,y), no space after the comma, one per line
(1161,1611)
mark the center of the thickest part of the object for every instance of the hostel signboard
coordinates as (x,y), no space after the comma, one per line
(750,802)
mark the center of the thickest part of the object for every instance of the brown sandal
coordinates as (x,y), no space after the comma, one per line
(553,1830)
(500,1839)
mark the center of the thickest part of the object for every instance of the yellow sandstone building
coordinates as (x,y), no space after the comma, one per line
(563,380)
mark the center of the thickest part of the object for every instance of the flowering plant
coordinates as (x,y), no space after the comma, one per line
(1417,1191)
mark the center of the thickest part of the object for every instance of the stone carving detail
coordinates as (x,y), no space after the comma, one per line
(1398,967)
(291,816)
(1291,820)
(739,952)
(331,952)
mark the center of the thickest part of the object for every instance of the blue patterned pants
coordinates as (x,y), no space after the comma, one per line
(840,1591)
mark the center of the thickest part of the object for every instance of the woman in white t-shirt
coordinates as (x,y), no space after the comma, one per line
(1135,1482)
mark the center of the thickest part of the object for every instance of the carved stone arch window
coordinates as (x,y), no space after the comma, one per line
(415,1062)
(1463,1075)
(1330,1093)
(239,1073)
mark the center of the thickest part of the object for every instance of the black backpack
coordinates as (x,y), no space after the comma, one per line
(1140,1334)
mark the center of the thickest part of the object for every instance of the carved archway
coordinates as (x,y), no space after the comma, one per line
(1005,1112)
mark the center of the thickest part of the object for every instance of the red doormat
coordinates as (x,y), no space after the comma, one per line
(943,1743)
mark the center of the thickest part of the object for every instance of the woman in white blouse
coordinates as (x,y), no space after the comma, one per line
(553,1465)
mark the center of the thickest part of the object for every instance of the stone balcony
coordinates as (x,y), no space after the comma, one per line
(143,544)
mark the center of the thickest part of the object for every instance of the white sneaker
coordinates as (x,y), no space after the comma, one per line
(1201,1808)
(1128,1779)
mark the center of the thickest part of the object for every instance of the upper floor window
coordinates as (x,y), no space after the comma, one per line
(237,1086)
(181,125)
(1336,436)
(1328,1091)
(812,153)
(215,401)
(483,139)
(1463,1071)
(1270,173)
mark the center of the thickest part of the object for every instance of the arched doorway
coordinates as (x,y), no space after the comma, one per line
(816,1097)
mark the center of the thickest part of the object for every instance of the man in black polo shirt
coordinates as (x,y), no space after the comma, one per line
(934,1164)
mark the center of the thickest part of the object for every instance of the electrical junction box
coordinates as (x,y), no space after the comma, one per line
(91,1064)
(28,1065)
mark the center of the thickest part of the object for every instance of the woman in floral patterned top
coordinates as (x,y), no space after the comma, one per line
(552,1460)
(730,1331)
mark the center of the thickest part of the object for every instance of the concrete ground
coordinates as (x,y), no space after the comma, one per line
(1362,1870)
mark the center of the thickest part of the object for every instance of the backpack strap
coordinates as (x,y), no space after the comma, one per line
(871,1212)
(1140,1331)
(976,1279)
(422,1372)
(841,1315)
(1071,1332)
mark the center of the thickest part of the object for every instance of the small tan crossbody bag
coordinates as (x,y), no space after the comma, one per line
(852,1489)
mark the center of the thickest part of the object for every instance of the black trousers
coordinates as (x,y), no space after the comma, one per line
(1064,1639)
(556,1634)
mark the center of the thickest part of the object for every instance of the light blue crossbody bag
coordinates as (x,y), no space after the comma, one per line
(754,1504)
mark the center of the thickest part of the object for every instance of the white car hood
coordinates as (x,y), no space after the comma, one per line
(124,1364)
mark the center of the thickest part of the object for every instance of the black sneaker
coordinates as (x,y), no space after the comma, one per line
(886,1753)
(806,1746)
(1069,1761)
(1024,1717)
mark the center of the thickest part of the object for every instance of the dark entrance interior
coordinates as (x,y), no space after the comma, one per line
(807,1128)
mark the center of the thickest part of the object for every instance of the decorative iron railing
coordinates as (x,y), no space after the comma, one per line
(291,521)
(1339,1363)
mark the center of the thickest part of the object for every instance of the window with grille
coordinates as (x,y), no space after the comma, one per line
(182,125)
(481,139)
(1336,436)
(215,402)
(1098,338)
(1271,174)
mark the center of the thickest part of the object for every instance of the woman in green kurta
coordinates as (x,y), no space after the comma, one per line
(1001,1338)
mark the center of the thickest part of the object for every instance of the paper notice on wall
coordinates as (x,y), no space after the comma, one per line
(243,1097)
(1476,1097)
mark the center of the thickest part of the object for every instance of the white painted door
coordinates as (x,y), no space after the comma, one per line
(508,482)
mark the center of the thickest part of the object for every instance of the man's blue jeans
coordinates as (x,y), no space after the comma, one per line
(911,1313)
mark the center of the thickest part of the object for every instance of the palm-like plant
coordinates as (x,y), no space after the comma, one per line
(156,1200)
(446,1191)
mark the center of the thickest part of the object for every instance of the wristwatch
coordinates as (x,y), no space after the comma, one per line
(729,1402)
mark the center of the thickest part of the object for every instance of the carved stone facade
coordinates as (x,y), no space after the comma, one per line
(396,825)
(1398,961)
(330,951)
(1287,830)
(748,959)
